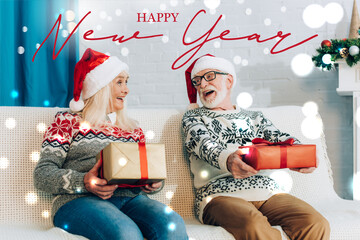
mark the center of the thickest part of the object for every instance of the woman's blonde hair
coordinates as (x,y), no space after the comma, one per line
(97,107)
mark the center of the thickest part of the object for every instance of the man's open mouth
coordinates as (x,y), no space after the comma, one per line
(208,93)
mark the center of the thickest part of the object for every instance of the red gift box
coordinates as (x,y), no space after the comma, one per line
(267,155)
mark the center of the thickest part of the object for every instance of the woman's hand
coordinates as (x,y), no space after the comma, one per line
(152,187)
(96,185)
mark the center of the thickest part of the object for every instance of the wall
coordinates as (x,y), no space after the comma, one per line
(269,78)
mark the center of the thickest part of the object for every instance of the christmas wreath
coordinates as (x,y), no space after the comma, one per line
(333,50)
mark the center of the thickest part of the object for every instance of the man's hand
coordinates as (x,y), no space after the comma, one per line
(237,167)
(96,185)
(303,170)
(306,170)
(151,187)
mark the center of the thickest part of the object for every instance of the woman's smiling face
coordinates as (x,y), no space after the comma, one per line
(119,90)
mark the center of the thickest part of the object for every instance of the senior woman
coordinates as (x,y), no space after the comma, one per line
(85,204)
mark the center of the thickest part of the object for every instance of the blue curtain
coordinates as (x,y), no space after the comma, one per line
(24,25)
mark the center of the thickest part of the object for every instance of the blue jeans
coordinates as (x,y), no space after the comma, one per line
(120,218)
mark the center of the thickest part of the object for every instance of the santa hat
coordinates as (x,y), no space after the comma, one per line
(205,62)
(93,72)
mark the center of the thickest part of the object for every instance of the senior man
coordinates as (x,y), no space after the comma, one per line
(230,193)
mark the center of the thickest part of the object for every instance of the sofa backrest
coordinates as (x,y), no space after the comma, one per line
(22,130)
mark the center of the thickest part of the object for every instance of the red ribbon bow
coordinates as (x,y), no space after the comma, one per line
(283,152)
(289,142)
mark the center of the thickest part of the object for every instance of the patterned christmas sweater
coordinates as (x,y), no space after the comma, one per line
(210,137)
(69,151)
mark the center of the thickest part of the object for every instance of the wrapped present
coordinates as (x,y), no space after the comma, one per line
(133,164)
(267,155)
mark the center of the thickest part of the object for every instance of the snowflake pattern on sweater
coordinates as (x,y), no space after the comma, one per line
(69,151)
(211,136)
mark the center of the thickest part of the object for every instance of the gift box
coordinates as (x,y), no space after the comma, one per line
(267,155)
(133,164)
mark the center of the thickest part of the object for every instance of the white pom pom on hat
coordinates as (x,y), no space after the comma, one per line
(93,72)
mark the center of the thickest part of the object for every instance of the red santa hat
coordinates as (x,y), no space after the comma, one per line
(93,72)
(205,62)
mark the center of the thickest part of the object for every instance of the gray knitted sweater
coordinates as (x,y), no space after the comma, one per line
(69,151)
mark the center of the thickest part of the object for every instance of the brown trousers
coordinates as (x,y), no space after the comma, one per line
(253,220)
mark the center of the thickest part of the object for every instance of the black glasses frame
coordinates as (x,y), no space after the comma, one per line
(196,81)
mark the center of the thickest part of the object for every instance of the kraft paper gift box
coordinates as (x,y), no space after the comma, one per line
(267,155)
(133,163)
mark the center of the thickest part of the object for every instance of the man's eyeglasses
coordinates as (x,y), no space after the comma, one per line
(209,76)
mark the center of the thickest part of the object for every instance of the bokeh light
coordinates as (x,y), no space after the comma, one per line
(248,11)
(244,100)
(64,33)
(168,210)
(172,226)
(46,103)
(314,16)
(267,22)
(118,12)
(326,58)
(266,51)
(24,28)
(334,12)
(41,127)
(69,15)
(21,50)
(212,4)
(237,60)
(169,194)
(173,3)
(312,127)
(31,198)
(217,44)
(165,39)
(4,163)
(35,156)
(149,134)
(10,123)
(208,199)
(124,51)
(310,109)
(204,174)
(212,11)
(122,161)
(45,214)
(283,179)
(14,94)
(302,65)
(84,126)
(244,62)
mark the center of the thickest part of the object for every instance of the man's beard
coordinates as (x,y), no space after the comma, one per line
(220,96)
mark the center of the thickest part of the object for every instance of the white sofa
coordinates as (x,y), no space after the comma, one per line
(24,211)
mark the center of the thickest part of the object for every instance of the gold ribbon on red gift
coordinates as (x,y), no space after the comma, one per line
(143,167)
